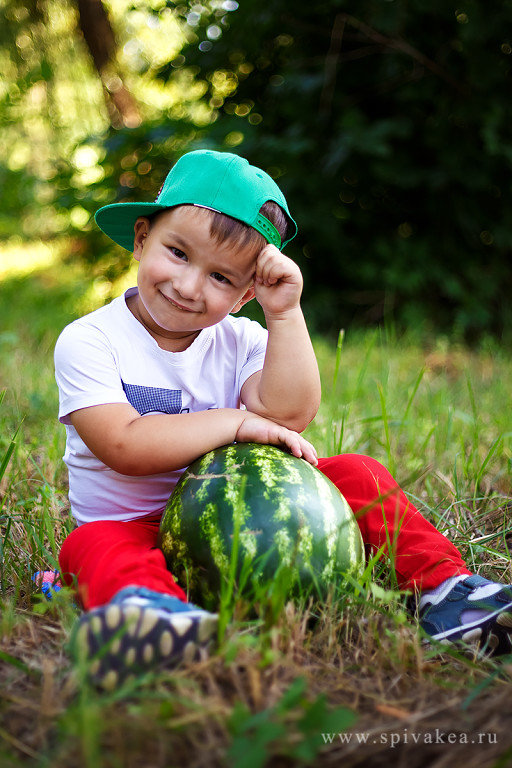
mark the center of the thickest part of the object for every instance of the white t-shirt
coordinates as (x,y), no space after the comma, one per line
(109,357)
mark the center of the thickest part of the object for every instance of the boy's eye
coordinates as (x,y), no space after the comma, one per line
(220,278)
(176,252)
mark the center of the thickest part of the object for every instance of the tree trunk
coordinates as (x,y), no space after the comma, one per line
(100,39)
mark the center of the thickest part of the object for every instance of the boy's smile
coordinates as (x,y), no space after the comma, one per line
(187,281)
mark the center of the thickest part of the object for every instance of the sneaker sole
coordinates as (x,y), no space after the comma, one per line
(493,635)
(116,641)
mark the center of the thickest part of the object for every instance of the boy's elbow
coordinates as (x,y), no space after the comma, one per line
(299,424)
(296,417)
(305,418)
(300,420)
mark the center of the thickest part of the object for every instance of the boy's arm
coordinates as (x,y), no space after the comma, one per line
(132,444)
(287,390)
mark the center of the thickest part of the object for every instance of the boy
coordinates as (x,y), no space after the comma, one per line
(159,377)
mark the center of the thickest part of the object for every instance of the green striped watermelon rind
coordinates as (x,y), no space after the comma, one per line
(317,537)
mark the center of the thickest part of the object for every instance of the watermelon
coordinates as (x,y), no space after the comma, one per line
(280,511)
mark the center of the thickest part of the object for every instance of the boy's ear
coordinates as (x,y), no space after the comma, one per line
(141,231)
(248,295)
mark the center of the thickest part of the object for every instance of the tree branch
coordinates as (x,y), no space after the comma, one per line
(101,42)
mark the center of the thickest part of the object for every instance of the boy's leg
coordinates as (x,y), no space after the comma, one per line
(106,556)
(453,605)
(137,617)
(421,555)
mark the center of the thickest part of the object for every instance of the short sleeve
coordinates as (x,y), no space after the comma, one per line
(85,370)
(256,347)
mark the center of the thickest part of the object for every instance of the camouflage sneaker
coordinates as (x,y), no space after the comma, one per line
(137,631)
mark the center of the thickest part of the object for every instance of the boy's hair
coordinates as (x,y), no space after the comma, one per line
(225,229)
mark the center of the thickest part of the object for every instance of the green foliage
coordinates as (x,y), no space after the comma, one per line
(292,728)
(388,125)
(48,102)
(6,457)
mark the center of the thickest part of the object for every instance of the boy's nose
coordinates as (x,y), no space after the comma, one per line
(188,284)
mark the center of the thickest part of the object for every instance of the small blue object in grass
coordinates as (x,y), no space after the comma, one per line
(48,581)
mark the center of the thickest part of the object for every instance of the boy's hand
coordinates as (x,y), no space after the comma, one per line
(256,429)
(277,282)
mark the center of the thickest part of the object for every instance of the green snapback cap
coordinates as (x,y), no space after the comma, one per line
(220,181)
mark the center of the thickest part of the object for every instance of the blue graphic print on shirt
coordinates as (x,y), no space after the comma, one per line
(149,399)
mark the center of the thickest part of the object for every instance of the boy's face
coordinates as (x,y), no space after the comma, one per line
(186,280)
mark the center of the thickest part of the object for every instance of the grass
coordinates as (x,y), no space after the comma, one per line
(311,686)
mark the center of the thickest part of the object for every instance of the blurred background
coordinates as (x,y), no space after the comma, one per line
(387,123)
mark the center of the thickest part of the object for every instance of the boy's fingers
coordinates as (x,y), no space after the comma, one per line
(311,457)
(300,447)
(280,273)
(272,266)
(263,271)
(274,434)
(309,453)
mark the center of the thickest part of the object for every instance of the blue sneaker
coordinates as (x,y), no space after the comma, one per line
(475,611)
(139,630)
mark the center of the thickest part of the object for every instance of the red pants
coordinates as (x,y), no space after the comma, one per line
(106,556)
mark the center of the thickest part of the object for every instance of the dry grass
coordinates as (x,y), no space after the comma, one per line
(372,665)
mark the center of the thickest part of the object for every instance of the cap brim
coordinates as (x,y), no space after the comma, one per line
(118,220)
